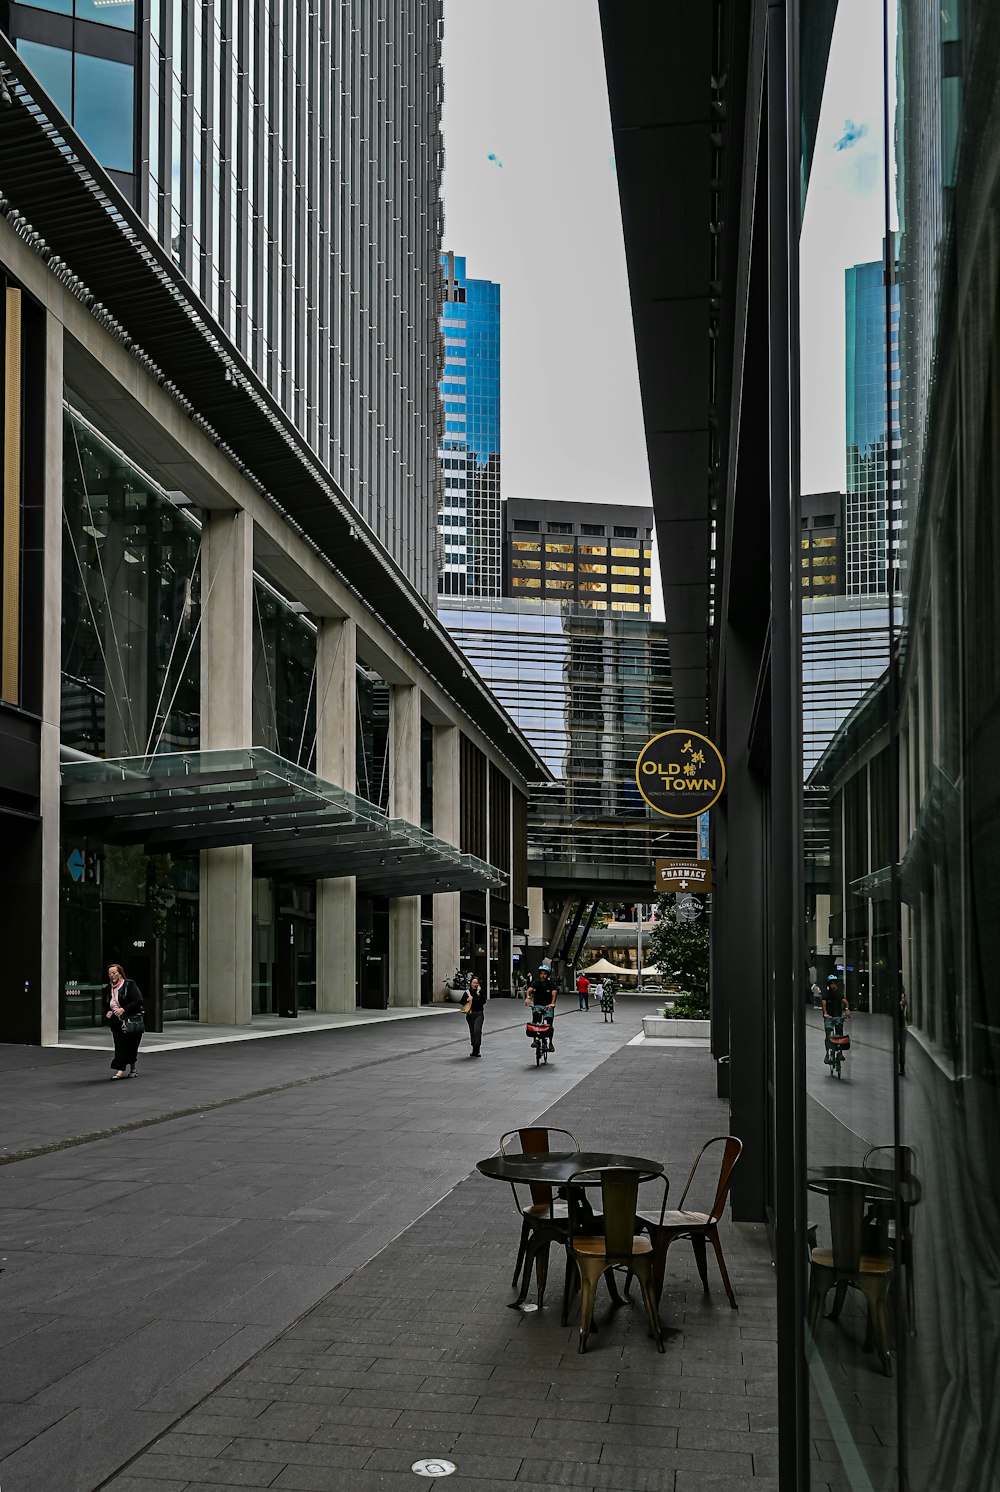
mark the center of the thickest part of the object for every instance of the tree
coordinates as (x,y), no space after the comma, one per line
(679,948)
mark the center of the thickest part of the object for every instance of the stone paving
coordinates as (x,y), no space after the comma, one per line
(416,1355)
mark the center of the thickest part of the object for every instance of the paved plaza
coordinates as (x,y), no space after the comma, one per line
(273,1264)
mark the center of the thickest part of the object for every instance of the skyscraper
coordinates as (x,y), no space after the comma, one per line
(591,555)
(288,159)
(872,429)
(469,518)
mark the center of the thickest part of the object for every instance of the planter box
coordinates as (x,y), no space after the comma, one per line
(661,1025)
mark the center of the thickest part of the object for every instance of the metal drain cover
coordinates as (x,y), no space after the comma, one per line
(433,1468)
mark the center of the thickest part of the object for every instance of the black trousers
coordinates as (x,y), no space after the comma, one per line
(126,1047)
(475,1020)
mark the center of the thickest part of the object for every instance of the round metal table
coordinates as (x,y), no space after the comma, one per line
(554,1168)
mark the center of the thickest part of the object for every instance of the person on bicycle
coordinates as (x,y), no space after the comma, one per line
(541,995)
(835,1008)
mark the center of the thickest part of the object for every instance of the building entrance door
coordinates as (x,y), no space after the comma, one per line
(285,967)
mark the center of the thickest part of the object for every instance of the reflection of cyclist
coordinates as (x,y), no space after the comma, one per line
(541,995)
(835,1008)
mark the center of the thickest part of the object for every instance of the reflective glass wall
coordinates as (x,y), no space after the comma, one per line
(900,416)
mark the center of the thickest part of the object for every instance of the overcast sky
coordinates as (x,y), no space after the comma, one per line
(531,200)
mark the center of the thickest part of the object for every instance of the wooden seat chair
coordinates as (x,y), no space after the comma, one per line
(591,1256)
(701,1227)
(542,1208)
(844,1266)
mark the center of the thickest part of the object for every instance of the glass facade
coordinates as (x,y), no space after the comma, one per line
(902,857)
(588,691)
(289,159)
(469,518)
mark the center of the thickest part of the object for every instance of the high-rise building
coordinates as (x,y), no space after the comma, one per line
(822,543)
(289,161)
(592,555)
(873,443)
(469,517)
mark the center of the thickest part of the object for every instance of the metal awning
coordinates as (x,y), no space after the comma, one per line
(299,826)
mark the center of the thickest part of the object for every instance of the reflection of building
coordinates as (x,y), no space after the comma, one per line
(588,690)
(589,555)
(872,537)
(469,518)
(220,764)
(310,236)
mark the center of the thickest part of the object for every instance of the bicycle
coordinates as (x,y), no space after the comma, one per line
(539,1030)
(838,1045)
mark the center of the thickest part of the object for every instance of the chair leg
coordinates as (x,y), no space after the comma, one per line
(820,1281)
(644,1274)
(876,1293)
(525,1229)
(541,1272)
(589,1276)
(839,1296)
(701,1258)
(717,1245)
(569,1287)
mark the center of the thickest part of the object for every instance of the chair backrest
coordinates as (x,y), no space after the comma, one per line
(732,1150)
(847,1222)
(535,1141)
(889,1152)
(619,1196)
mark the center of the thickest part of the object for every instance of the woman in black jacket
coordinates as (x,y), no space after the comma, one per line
(124,1006)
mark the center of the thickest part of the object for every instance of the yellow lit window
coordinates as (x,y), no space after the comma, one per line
(805,543)
(624,569)
(632,554)
(624,606)
(824,543)
(536,564)
(527,544)
(805,580)
(558,548)
(559,585)
(593,569)
(601,549)
(620,589)
(559,565)
(824,580)
(646,571)
(824,561)
(593,605)
(525,580)
(592,585)
(805,564)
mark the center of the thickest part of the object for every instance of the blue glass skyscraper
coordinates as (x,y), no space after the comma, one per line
(872,531)
(469,519)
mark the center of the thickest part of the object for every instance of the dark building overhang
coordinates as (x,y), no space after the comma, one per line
(299,826)
(69,211)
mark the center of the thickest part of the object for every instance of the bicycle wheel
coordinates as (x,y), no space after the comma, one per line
(538,1053)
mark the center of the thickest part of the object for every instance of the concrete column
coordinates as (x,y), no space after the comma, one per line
(226,937)
(404,803)
(51,681)
(336,733)
(447,825)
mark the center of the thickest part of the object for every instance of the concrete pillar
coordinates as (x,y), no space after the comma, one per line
(404,803)
(226,952)
(447,825)
(336,733)
(51,682)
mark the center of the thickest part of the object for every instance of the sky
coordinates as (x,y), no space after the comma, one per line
(531,200)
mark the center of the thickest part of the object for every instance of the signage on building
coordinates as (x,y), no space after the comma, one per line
(680,773)
(683,875)
(85,866)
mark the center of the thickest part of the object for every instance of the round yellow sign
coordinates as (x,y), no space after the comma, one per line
(680,773)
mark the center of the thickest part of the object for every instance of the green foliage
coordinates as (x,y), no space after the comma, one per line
(680,949)
(690,1005)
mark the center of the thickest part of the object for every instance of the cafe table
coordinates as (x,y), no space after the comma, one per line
(554,1168)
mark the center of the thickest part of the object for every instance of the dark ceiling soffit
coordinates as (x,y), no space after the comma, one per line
(66,207)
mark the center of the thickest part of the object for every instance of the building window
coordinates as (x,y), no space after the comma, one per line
(592,528)
(593,585)
(601,549)
(525,544)
(559,585)
(525,526)
(625,533)
(625,606)
(535,564)
(624,590)
(558,548)
(632,554)
(624,569)
(560,565)
(559,528)
(525,580)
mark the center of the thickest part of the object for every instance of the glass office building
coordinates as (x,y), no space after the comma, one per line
(289,161)
(469,517)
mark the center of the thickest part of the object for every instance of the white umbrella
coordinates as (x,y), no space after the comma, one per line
(605,966)
(653,969)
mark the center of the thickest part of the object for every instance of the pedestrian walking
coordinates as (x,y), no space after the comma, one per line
(474,1006)
(597,992)
(125,1017)
(583,992)
(608,1002)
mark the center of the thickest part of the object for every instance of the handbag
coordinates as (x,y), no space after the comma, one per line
(133,1025)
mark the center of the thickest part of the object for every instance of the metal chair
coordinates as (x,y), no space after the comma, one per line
(544,1208)
(701,1227)
(882,1211)
(591,1256)
(843,1266)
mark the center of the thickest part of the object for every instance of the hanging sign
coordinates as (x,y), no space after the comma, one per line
(683,875)
(680,773)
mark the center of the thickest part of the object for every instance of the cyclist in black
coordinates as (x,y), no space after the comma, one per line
(835,1008)
(541,995)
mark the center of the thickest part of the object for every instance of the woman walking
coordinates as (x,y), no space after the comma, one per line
(474,1006)
(124,1016)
